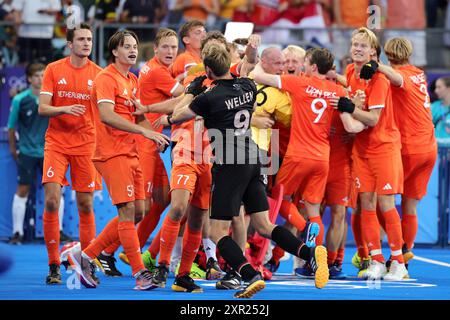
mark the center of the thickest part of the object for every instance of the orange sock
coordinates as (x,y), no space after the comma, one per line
(363,252)
(112,248)
(340,256)
(277,254)
(371,234)
(169,235)
(130,242)
(51,236)
(290,213)
(106,238)
(149,223)
(394,234)
(86,228)
(155,245)
(191,243)
(331,257)
(409,229)
(318,220)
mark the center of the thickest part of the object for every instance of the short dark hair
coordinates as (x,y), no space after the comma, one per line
(71,32)
(117,40)
(217,58)
(321,57)
(446,81)
(187,27)
(34,67)
(214,35)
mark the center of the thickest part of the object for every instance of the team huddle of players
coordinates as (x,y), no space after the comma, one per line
(353,140)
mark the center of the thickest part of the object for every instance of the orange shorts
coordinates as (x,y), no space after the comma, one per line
(82,170)
(123,178)
(98,180)
(337,191)
(417,169)
(304,176)
(383,175)
(197,179)
(153,170)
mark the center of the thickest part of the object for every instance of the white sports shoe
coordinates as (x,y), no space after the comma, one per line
(376,270)
(397,272)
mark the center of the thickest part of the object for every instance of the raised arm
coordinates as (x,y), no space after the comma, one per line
(262,77)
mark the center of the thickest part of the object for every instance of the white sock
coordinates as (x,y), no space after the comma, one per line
(19,206)
(61,212)
(177,250)
(210,248)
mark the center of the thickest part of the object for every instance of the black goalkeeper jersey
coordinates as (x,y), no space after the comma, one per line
(227,112)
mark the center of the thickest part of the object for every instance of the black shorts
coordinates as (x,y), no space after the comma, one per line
(235,184)
(26,168)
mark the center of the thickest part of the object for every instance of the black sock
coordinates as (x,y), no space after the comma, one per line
(288,242)
(233,255)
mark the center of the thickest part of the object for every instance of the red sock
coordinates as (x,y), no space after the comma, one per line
(363,252)
(191,243)
(381,219)
(155,245)
(409,229)
(107,237)
(169,235)
(340,256)
(130,243)
(86,228)
(318,220)
(394,234)
(277,254)
(290,213)
(112,248)
(51,236)
(371,234)
(149,223)
(331,257)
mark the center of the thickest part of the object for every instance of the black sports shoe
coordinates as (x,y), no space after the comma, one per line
(108,265)
(16,239)
(64,237)
(255,285)
(185,284)
(160,275)
(213,271)
(54,275)
(231,281)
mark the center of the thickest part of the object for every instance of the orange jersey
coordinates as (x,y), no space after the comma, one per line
(157,85)
(191,136)
(311,115)
(68,85)
(412,111)
(384,137)
(111,86)
(340,147)
(354,83)
(183,62)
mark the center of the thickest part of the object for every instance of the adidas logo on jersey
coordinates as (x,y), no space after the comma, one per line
(91,185)
(62,81)
(387,187)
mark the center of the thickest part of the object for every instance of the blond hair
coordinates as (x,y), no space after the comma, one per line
(398,50)
(164,33)
(368,35)
(297,51)
(217,58)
